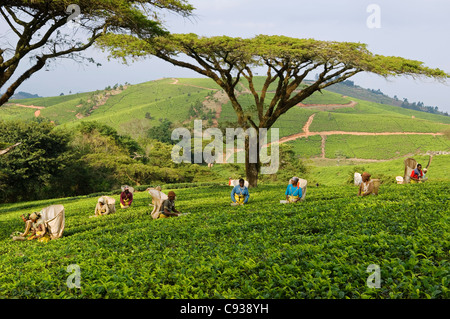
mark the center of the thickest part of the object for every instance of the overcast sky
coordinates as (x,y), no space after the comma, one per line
(412,29)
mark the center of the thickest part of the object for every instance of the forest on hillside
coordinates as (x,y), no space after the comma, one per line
(53,161)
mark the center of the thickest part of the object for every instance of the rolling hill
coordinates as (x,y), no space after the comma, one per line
(337,126)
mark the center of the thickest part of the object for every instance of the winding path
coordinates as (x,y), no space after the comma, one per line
(306,132)
(324,134)
(38,108)
(29,106)
(176,82)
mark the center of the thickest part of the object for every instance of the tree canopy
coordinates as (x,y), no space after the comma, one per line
(287,60)
(39,29)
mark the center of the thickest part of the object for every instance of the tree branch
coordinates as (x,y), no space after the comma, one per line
(10,23)
(10,91)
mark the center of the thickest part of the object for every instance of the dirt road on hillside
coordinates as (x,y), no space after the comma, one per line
(29,106)
(306,132)
(324,134)
(176,82)
(38,108)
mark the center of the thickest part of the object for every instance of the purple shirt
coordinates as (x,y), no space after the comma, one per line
(125,196)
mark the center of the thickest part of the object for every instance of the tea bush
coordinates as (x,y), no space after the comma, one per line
(320,248)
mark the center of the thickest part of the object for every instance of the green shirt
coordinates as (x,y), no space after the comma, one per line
(169,205)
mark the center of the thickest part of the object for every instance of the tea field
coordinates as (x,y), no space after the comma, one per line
(320,248)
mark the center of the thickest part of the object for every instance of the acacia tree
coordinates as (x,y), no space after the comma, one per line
(287,60)
(39,29)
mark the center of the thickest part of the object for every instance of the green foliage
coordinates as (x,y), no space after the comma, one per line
(290,165)
(356,121)
(320,248)
(333,174)
(199,112)
(382,147)
(252,52)
(351,173)
(93,157)
(28,170)
(122,140)
(113,160)
(162,132)
(307,147)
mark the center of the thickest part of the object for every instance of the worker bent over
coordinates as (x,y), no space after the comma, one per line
(293,191)
(168,207)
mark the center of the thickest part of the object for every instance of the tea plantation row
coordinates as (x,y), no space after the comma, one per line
(320,248)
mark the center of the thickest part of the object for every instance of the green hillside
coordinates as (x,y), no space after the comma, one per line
(134,109)
(350,89)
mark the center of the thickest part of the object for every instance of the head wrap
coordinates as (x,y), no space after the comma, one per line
(365,176)
(171,193)
(101,200)
(158,188)
(34,216)
(295,179)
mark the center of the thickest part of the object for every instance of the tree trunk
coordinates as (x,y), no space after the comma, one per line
(252,172)
(251,169)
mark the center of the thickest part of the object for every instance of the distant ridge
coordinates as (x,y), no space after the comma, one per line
(349,88)
(24,95)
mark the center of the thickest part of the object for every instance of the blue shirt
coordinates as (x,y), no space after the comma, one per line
(293,191)
(416,173)
(240,191)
